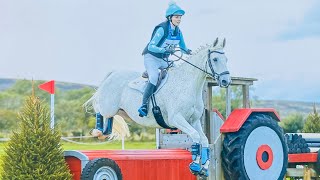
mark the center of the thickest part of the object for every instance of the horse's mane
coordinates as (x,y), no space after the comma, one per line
(200,49)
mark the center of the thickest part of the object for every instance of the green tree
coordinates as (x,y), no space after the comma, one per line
(34,151)
(14,97)
(70,112)
(312,124)
(8,120)
(292,123)
(219,99)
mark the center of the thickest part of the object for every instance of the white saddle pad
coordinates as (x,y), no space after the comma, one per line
(140,84)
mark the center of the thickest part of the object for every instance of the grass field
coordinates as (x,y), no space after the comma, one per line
(111,145)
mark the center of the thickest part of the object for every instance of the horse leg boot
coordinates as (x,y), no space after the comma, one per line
(99,122)
(195,165)
(143,110)
(97,132)
(205,160)
(107,127)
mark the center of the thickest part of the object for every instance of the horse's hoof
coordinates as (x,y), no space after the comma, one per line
(96,133)
(204,173)
(203,178)
(194,168)
(103,137)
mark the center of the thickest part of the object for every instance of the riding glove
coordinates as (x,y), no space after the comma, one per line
(189,52)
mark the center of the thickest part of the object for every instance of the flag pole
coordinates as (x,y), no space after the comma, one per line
(52,111)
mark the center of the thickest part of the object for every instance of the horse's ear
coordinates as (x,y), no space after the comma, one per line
(224,42)
(215,42)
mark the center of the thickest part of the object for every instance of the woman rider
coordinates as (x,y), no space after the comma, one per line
(165,37)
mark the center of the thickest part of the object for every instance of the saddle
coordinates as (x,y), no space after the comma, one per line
(140,83)
(162,75)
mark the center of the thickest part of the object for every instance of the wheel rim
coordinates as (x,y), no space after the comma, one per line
(263,140)
(105,173)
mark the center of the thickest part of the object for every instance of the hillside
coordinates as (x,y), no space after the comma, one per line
(63,86)
(285,108)
(6,83)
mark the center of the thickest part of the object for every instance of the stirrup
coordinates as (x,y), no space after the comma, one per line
(143,110)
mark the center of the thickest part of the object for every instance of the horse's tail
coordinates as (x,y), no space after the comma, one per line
(92,102)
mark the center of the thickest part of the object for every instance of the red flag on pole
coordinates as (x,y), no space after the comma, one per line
(48,86)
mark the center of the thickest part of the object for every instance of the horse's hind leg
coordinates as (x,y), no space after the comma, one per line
(205,150)
(179,122)
(104,122)
(104,125)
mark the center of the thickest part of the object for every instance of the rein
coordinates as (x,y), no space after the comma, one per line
(213,74)
(205,71)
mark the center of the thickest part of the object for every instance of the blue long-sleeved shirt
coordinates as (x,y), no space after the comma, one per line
(156,39)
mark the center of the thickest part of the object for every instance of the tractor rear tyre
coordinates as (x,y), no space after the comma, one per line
(101,169)
(257,151)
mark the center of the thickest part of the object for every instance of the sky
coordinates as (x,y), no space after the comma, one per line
(80,41)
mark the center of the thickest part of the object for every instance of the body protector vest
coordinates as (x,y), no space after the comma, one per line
(171,38)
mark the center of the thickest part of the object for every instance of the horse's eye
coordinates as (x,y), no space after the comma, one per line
(215,59)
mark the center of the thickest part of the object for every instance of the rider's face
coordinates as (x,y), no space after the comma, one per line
(176,19)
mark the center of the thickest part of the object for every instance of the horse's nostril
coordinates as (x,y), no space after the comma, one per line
(224,82)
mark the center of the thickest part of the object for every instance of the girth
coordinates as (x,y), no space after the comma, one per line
(158,115)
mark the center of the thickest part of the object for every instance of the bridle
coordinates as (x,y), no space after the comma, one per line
(215,75)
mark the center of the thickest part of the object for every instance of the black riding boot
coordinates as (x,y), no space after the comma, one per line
(150,89)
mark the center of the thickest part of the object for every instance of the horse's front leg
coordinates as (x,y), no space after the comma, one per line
(205,150)
(178,121)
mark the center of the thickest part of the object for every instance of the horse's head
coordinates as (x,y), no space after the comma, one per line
(217,62)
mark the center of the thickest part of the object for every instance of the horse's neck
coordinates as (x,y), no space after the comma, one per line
(188,76)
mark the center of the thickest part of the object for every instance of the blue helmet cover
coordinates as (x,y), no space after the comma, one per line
(174,9)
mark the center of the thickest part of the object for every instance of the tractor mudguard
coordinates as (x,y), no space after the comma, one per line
(238,116)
